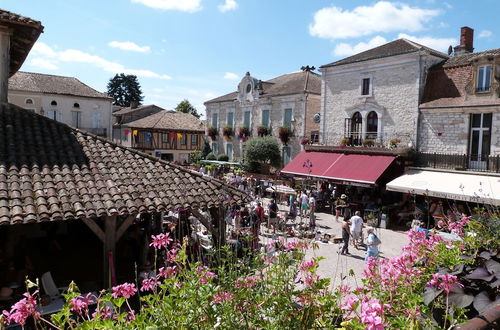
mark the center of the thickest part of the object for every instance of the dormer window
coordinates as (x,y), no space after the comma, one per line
(483,78)
(53,103)
(29,101)
(76,105)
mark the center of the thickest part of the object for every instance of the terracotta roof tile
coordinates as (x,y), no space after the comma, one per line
(71,174)
(169,120)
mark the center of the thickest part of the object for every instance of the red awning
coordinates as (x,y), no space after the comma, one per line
(340,167)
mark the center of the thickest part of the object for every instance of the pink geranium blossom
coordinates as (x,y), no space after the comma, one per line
(126,290)
(443,281)
(222,296)
(23,309)
(160,240)
(149,284)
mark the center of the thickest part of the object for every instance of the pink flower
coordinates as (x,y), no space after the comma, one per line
(204,274)
(78,305)
(222,296)
(167,272)
(130,316)
(248,282)
(444,282)
(102,313)
(149,284)
(350,303)
(23,309)
(160,240)
(308,265)
(126,290)
(372,312)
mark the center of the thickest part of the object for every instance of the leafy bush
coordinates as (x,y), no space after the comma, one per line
(223,158)
(195,157)
(262,150)
(211,156)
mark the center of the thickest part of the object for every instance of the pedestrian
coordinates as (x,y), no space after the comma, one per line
(312,208)
(304,204)
(356,228)
(372,243)
(255,225)
(346,232)
(260,211)
(273,216)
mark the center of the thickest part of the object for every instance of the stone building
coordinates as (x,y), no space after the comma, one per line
(372,97)
(65,99)
(124,115)
(460,110)
(291,100)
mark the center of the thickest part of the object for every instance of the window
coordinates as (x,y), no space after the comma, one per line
(215,148)
(249,88)
(194,139)
(215,120)
(229,151)
(76,105)
(52,114)
(480,139)
(483,78)
(96,120)
(372,125)
(287,155)
(165,137)
(353,128)
(230,119)
(365,87)
(287,118)
(265,118)
(53,103)
(76,119)
(315,137)
(246,119)
(183,139)
(29,101)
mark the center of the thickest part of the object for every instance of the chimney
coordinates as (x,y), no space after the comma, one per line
(134,104)
(466,41)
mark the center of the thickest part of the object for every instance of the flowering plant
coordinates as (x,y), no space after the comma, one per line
(228,131)
(393,143)
(304,141)
(243,133)
(262,131)
(285,133)
(212,132)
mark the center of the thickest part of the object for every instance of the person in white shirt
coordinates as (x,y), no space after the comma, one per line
(312,208)
(304,204)
(356,229)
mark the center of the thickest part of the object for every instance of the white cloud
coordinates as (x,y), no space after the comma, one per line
(440,44)
(77,56)
(345,49)
(448,5)
(485,34)
(383,16)
(130,46)
(228,5)
(189,6)
(230,76)
(42,63)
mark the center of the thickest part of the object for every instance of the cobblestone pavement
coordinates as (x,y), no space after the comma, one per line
(335,266)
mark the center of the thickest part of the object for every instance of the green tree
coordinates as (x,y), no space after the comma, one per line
(186,107)
(125,90)
(262,150)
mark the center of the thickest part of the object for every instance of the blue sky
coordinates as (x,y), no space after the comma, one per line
(200,49)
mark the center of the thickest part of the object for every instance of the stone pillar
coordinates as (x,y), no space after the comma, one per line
(379,128)
(364,124)
(4,62)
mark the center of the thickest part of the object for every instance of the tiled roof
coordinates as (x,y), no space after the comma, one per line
(50,84)
(393,48)
(448,82)
(25,31)
(123,111)
(467,58)
(291,83)
(169,120)
(50,171)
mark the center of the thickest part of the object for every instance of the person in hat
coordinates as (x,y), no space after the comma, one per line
(372,243)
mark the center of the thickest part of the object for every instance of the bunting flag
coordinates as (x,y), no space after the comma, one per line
(148,137)
(172,135)
(134,132)
(127,132)
(179,135)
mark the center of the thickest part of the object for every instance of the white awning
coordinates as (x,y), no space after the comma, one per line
(468,187)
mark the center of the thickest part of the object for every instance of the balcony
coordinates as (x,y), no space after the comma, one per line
(96,131)
(459,162)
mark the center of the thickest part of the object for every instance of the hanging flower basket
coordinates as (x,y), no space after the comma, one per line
(394,143)
(262,131)
(243,133)
(228,132)
(212,132)
(344,142)
(368,143)
(304,141)
(284,134)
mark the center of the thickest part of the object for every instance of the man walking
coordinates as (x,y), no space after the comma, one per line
(356,228)
(372,243)
(345,237)
(273,216)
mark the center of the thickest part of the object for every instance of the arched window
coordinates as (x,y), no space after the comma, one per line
(54,103)
(371,125)
(356,124)
(76,105)
(29,101)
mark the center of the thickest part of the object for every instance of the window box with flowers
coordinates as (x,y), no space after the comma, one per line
(243,133)
(368,142)
(212,132)
(305,141)
(285,132)
(262,131)
(228,132)
(344,142)
(394,143)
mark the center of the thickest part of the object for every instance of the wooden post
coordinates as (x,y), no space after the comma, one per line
(109,247)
